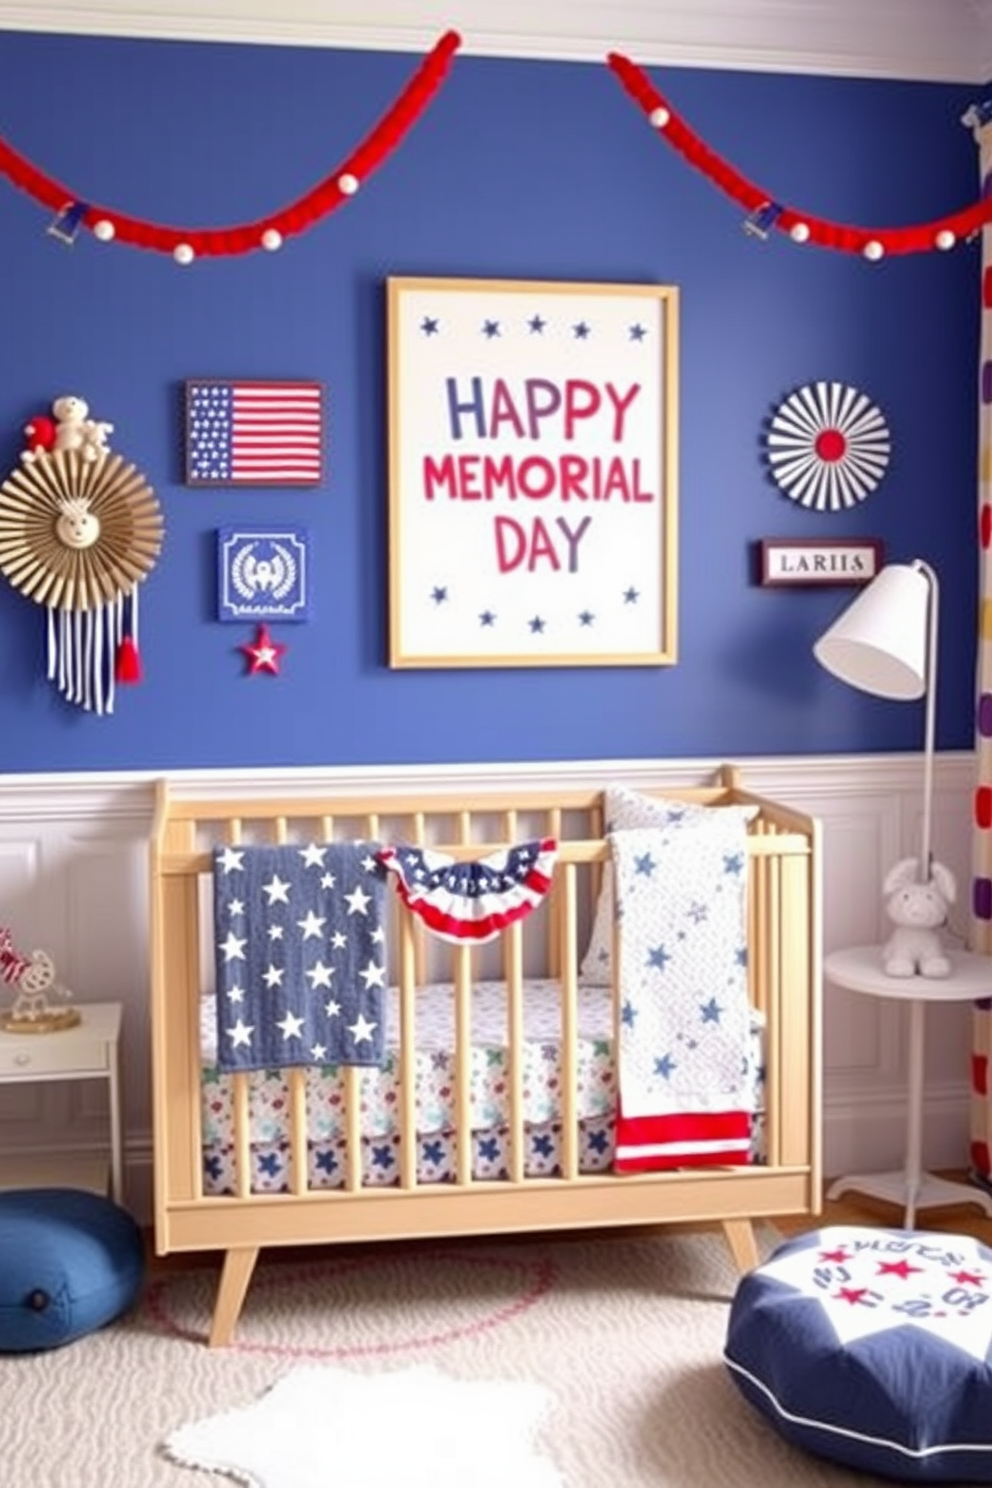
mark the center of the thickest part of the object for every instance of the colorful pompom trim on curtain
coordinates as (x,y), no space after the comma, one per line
(472,902)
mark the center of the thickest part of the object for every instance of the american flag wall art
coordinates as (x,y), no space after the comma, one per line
(254,433)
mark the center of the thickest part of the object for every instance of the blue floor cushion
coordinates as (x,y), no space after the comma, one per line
(871,1346)
(70,1261)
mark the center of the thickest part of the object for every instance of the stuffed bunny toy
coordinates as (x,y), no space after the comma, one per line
(917,910)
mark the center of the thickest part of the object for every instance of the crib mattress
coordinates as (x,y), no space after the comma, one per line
(269,1101)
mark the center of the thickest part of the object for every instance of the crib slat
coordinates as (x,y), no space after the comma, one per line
(771,940)
(553,829)
(798,1062)
(298,1140)
(296,1082)
(175,1018)
(757,909)
(353,1128)
(418,836)
(513,964)
(239,1082)
(463,1060)
(408,1052)
(242,1134)
(569,1022)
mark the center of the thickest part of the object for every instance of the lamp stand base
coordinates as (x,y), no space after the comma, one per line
(896,1188)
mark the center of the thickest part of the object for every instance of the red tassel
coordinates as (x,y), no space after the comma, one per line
(128,665)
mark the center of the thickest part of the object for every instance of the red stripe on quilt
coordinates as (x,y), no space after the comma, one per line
(685,1139)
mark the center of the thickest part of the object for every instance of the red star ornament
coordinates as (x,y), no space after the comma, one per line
(264,654)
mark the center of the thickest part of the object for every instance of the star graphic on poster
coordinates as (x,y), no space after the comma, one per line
(264,653)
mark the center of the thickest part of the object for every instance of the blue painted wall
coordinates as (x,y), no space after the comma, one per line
(519,169)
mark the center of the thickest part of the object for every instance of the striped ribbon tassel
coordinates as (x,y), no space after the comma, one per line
(82,651)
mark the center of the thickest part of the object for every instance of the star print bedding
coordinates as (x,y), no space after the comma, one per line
(300,955)
(684,1012)
(269,1099)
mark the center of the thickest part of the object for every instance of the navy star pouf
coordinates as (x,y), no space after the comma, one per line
(872,1347)
(70,1261)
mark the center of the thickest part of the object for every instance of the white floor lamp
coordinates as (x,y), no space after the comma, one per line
(885,643)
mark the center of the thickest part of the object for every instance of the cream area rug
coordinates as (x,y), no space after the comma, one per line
(592,1361)
(415,1427)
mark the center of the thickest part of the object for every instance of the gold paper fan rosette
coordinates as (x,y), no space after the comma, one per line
(41,566)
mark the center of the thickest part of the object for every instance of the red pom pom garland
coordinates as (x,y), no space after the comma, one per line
(764,213)
(187,244)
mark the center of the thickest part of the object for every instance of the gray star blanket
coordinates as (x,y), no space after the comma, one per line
(300,955)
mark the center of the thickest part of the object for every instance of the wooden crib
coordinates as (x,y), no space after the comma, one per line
(784,931)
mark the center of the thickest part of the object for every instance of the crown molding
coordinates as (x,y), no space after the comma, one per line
(927,40)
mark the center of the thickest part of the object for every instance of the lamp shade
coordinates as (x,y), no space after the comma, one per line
(879,643)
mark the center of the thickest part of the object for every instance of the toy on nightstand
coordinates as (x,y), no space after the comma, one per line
(917,910)
(37,990)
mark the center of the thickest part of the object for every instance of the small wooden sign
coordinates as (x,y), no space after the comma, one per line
(819,561)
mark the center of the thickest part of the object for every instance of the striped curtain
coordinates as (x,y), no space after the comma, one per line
(980,119)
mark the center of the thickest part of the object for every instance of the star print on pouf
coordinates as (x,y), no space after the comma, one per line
(264,653)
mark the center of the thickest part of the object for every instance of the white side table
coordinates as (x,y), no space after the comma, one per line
(859,969)
(88,1051)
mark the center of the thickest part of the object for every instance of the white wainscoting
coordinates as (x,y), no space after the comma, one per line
(73,879)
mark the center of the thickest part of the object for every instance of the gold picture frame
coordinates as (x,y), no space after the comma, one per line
(533,473)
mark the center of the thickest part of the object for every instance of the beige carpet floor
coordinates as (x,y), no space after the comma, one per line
(625,1333)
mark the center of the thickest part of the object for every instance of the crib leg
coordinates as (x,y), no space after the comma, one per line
(234,1279)
(739,1234)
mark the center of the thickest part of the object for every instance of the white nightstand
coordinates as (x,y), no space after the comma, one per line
(860,970)
(89,1051)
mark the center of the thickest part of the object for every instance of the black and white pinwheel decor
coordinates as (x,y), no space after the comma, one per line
(827,446)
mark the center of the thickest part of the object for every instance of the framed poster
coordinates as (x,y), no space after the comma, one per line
(532,473)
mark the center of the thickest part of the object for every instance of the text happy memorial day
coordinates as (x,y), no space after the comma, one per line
(535,410)
(530,469)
